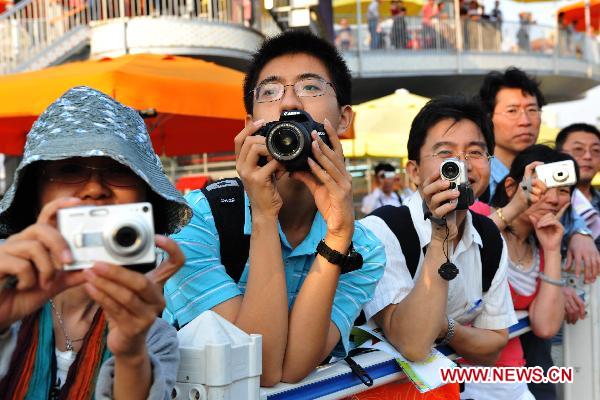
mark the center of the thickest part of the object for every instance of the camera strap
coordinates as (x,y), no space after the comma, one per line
(399,221)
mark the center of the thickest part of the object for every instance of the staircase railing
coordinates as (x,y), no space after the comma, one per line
(33,27)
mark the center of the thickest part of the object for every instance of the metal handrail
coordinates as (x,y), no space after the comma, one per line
(32,27)
(411,33)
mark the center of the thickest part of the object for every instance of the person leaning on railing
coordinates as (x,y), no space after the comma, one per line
(443,296)
(528,215)
(291,291)
(93,333)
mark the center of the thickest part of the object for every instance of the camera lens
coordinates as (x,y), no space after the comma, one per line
(284,142)
(450,170)
(126,236)
(560,176)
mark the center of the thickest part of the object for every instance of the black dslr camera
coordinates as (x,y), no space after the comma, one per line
(289,141)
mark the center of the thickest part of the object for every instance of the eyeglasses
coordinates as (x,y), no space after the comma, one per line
(514,113)
(307,87)
(471,155)
(580,151)
(73,173)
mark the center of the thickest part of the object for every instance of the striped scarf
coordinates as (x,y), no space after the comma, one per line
(32,369)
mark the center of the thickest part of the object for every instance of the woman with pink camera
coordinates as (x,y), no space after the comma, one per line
(94,332)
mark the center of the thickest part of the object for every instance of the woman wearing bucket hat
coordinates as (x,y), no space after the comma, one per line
(91,333)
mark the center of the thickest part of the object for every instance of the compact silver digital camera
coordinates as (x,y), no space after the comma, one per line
(556,174)
(118,234)
(455,171)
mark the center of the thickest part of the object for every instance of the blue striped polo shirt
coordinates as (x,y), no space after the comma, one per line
(202,282)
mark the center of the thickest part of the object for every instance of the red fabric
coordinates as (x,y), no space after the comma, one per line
(408,391)
(481,208)
(522,302)
(512,355)
(192,182)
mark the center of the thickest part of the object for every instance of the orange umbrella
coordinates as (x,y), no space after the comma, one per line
(576,12)
(193,106)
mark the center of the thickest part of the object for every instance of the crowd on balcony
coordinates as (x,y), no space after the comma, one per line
(278,252)
(435,28)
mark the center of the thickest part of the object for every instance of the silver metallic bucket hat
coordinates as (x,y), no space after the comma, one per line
(84,122)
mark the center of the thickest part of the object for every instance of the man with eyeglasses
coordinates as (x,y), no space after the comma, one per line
(384,194)
(582,142)
(301,287)
(513,100)
(466,305)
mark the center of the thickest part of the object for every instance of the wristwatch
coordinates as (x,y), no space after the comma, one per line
(584,231)
(448,271)
(449,333)
(347,262)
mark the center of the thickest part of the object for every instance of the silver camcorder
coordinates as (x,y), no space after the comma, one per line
(455,171)
(119,234)
(556,174)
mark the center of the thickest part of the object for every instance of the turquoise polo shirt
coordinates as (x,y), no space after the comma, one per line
(202,282)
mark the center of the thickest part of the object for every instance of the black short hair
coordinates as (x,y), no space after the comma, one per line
(384,167)
(564,133)
(300,42)
(513,78)
(440,108)
(536,152)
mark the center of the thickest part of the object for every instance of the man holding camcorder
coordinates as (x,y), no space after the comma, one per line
(442,291)
(285,258)
(384,194)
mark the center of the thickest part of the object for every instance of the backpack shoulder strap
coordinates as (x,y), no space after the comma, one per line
(491,251)
(399,196)
(399,221)
(226,200)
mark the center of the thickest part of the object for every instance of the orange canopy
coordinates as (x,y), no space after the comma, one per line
(196,106)
(576,12)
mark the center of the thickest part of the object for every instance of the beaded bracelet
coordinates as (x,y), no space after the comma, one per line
(501,216)
(555,282)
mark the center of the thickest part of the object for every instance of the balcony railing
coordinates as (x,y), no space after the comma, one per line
(412,34)
(34,27)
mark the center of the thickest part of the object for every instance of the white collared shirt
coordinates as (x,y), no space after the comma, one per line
(377,198)
(466,302)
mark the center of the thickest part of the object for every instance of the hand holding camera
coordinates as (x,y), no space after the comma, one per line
(440,200)
(531,189)
(31,266)
(259,181)
(331,186)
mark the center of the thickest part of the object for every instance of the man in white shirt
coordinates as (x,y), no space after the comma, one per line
(383,194)
(440,304)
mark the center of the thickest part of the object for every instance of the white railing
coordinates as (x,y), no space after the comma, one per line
(442,35)
(35,27)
